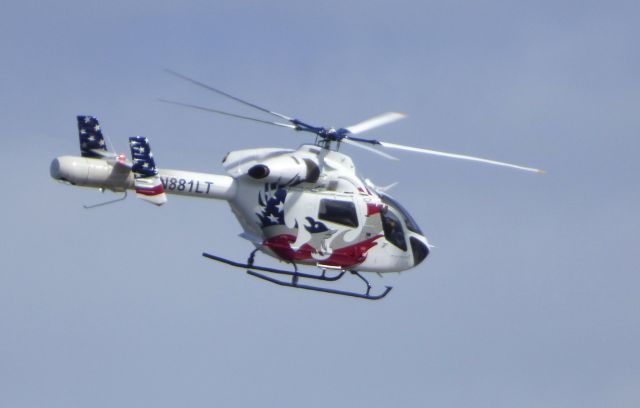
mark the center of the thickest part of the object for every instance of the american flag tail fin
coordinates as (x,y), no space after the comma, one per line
(92,143)
(146,181)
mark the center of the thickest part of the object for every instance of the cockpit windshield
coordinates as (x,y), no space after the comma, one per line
(408,219)
(393,230)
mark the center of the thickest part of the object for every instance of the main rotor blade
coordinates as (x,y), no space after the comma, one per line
(188,105)
(457,156)
(375,122)
(218,91)
(367,147)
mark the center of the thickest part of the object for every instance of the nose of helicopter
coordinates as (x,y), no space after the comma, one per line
(419,249)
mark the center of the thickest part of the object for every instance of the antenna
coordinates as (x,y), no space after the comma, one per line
(89,207)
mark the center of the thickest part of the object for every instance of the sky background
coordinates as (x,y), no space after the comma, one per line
(529,299)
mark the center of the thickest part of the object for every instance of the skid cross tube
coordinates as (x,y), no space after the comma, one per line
(295,276)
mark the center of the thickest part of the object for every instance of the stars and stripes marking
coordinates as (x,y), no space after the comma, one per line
(143,163)
(271,205)
(91,137)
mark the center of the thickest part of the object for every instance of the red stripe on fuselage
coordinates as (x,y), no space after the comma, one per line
(150,191)
(374,209)
(344,257)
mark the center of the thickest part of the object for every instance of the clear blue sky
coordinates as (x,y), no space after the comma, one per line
(530,298)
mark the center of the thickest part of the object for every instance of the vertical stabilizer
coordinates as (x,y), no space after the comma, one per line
(92,142)
(147,183)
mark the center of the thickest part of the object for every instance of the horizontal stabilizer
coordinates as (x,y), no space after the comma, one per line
(147,183)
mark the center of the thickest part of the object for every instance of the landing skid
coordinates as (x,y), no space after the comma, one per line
(295,276)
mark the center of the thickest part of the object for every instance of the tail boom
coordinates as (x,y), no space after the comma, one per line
(99,173)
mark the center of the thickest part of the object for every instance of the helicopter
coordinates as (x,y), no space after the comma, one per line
(304,206)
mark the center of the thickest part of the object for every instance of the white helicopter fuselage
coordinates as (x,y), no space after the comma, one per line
(305,206)
(309,206)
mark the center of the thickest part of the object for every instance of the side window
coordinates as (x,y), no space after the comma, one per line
(393,231)
(340,212)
